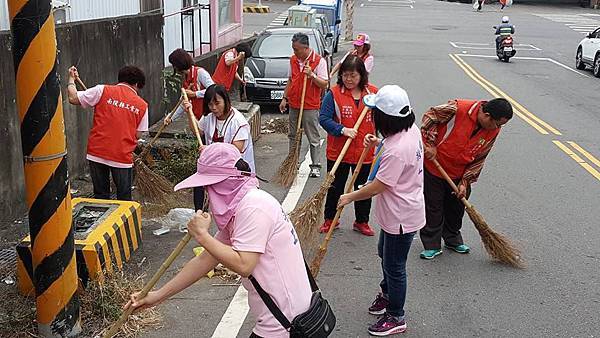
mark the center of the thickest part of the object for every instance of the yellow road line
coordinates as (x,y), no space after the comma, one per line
(462,65)
(578,159)
(584,153)
(511,100)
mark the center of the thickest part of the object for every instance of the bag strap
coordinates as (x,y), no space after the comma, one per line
(271,304)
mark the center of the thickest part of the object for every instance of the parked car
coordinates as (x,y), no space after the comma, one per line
(332,9)
(588,53)
(266,72)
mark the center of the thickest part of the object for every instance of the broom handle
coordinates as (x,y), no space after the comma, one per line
(348,141)
(192,118)
(114,329)
(338,213)
(81,83)
(301,106)
(449,180)
(160,130)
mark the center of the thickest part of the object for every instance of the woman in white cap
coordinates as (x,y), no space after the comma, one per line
(255,238)
(362,49)
(396,182)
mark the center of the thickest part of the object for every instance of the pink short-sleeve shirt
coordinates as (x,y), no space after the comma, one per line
(260,225)
(400,208)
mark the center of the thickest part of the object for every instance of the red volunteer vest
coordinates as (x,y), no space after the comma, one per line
(225,74)
(116,119)
(191,83)
(455,146)
(346,113)
(312,99)
(363,58)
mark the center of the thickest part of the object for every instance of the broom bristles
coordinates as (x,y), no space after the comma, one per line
(315,265)
(306,217)
(498,246)
(152,186)
(286,174)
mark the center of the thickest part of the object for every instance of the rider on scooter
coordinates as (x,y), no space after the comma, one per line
(505,29)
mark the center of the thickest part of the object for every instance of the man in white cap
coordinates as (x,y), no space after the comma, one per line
(362,49)
(255,238)
(397,185)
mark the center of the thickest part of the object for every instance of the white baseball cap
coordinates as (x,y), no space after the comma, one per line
(390,99)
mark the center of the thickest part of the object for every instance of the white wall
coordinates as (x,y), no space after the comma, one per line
(172,28)
(94,9)
(86,10)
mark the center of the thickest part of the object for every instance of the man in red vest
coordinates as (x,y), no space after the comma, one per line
(227,69)
(459,135)
(120,117)
(306,63)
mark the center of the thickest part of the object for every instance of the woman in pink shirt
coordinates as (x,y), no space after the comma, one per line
(397,184)
(255,238)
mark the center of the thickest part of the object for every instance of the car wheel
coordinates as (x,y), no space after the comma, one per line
(597,65)
(579,59)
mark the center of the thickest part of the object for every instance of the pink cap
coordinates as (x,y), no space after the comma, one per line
(215,164)
(361,39)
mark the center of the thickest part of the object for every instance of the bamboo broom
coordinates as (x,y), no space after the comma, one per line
(114,329)
(289,167)
(315,265)
(306,216)
(497,245)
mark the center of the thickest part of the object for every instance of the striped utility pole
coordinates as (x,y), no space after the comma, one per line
(39,104)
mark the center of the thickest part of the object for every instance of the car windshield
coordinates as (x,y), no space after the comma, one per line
(279,46)
(329,14)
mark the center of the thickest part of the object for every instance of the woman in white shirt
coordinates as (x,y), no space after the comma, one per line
(223,123)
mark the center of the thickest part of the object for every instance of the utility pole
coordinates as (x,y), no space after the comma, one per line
(39,104)
(348,30)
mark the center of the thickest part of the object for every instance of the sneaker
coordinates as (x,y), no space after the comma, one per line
(327,224)
(315,172)
(430,254)
(363,228)
(387,325)
(463,248)
(379,305)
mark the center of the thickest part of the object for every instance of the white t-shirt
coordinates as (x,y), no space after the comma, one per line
(203,79)
(234,128)
(261,225)
(369,62)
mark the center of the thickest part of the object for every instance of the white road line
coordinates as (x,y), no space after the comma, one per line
(531,58)
(236,313)
(490,46)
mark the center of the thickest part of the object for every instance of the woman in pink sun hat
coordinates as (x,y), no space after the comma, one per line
(362,49)
(255,239)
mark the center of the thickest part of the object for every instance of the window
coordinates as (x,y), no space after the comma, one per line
(329,14)
(280,46)
(225,12)
(150,5)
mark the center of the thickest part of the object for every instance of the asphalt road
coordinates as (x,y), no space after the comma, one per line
(531,189)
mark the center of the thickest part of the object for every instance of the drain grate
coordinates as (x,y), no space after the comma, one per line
(8,260)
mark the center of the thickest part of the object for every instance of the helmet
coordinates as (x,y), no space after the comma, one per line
(505,19)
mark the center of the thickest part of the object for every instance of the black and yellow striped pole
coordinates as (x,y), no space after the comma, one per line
(39,104)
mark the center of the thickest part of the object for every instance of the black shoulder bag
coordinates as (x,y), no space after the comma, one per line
(317,322)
